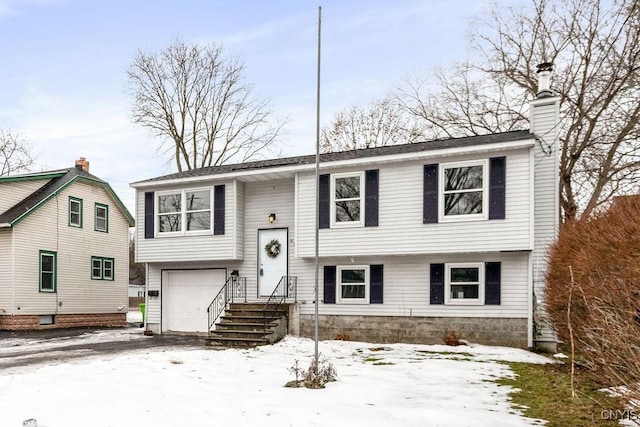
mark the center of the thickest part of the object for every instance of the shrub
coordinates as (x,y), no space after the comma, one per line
(320,372)
(452,338)
(342,337)
(593,292)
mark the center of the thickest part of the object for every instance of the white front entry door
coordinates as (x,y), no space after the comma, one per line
(271,268)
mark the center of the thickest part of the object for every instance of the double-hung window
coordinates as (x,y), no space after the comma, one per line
(464,191)
(48,271)
(464,283)
(353,284)
(184,212)
(102,268)
(347,199)
(75,212)
(101,217)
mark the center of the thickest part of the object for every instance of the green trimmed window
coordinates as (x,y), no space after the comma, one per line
(48,271)
(75,212)
(101,217)
(102,268)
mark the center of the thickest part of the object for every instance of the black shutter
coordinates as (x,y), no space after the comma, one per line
(436,293)
(497,174)
(325,202)
(375,284)
(430,194)
(218,209)
(329,284)
(149,215)
(371,198)
(492,279)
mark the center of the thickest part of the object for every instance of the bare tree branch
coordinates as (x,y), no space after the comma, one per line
(378,124)
(196,100)
(595,46)
(15,154)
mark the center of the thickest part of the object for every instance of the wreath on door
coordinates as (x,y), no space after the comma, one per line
(272,248)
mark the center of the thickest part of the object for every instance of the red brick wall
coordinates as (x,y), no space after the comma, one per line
(30,322)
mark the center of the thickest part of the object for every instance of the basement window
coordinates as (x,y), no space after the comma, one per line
(46,319)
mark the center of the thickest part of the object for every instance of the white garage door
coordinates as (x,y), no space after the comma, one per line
(186,295)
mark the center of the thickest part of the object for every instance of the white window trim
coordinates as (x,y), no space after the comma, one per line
(104,268)
(73,200)
(485,191)
(105,208)
(347,224)
(94,277)
(183,213)
(339,298)
(447,284)
(102,261)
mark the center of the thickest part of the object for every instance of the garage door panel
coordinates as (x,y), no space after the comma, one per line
(186,297)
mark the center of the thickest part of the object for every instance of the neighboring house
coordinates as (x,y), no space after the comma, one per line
(63,250)
(414,240)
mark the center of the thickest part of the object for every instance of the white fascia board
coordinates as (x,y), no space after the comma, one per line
(5,225)
(392,158)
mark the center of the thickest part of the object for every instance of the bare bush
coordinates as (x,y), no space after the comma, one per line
(320,372)
(599,307)
(452,338)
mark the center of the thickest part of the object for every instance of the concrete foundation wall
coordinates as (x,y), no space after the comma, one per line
(418,330)
(32,322)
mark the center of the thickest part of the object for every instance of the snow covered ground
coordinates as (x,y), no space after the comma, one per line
(379,385)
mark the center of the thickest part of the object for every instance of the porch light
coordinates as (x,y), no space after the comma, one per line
(272,218)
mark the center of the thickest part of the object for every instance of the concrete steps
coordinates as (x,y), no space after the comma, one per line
(249,325)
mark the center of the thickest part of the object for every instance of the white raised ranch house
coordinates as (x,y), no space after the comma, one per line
(415,240)
(63,250)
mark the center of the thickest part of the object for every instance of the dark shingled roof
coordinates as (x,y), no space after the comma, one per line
(44,192)
(417,147)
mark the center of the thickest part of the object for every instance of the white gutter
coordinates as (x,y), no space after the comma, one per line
(392,158)
(5,225)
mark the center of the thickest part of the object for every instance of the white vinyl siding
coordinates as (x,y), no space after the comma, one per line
(260,199)
(199,247)
(400,228)
(14,192)
(6,275)
(75,289)
(406,287)
(239,219)
(544,113)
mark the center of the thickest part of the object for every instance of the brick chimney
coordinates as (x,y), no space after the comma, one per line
(83,164)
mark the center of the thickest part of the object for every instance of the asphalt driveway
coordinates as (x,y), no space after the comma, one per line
(26,348)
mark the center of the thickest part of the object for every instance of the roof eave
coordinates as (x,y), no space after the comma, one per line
(390,158)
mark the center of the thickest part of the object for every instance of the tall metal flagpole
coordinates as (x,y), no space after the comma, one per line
(317,185)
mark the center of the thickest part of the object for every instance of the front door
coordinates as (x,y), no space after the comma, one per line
(273,257)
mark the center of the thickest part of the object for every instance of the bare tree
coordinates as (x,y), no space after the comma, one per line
(595,46)
(15,154)
(137,272)
(378,124)
(195,99)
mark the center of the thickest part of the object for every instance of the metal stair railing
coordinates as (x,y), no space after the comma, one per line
(234,288)
(287,287)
